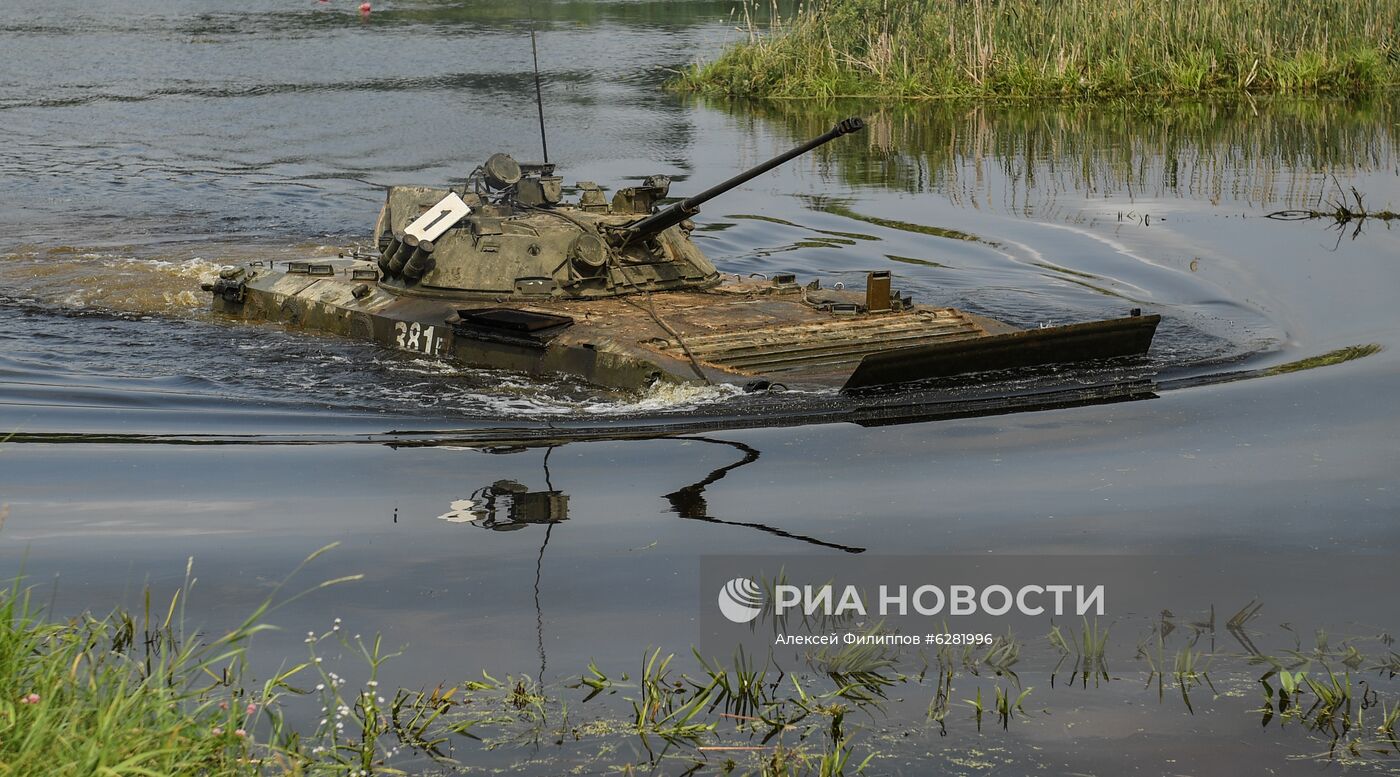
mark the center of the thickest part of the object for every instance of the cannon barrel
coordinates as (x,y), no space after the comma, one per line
(675,214)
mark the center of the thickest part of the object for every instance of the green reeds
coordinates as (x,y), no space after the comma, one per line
(1088,648)
(1070,48)
(1188,667)
(861,672)
(131,694)
(665,709)
(134,695)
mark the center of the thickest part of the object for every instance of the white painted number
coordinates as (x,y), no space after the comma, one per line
(414,337)
(439,218)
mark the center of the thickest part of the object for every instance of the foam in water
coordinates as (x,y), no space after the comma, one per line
(520,396)
(668,397)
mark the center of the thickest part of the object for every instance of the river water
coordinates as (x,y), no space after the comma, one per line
(142,145)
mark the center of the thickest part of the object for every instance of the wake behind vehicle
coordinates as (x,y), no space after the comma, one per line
(503,273)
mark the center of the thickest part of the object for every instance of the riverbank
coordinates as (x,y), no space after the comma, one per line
(134,694)
(1076,48)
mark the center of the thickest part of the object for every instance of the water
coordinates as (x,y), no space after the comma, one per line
(145,146)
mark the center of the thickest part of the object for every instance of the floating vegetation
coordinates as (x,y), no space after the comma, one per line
(1335,707)
(841,208)
(920,262)
(1328,359)
(849,237)
(1341,211)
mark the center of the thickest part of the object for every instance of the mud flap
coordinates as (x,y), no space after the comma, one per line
(1026,348)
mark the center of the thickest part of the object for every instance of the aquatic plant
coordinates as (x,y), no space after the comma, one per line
(664,708)
(143,697)
(1188,667)
(1075,48)
(740,690)
(1341,211)
(1006,708)
(861,671)
(1088,647)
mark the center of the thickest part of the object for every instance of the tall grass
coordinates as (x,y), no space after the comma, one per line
(131,695)
(1056,48)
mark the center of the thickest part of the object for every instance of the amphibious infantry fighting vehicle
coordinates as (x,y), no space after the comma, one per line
(503,273)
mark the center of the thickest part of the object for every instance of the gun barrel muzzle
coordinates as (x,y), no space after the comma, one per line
(675,214)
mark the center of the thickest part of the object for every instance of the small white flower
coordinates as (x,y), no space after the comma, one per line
(321,687)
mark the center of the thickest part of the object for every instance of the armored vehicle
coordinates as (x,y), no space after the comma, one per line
(502,272)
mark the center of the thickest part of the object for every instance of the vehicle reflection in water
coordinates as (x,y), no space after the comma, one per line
(689,502)
(508,505)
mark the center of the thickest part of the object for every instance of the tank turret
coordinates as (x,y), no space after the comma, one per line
(508,233)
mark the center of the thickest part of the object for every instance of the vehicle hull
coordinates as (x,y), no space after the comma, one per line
(743,332)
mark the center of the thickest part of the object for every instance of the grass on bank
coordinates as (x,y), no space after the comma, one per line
(1055,48)
(134,695)
(130,695)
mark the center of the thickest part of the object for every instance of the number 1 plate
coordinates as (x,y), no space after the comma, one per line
(439,218)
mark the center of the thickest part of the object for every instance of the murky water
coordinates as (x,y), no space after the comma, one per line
(145,145)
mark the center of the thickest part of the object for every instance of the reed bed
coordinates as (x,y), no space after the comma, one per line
(140,695)
(1066,48)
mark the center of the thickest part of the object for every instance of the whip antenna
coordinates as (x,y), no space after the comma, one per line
(539,99)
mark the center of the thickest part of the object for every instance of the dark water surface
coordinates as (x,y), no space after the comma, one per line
(144,144)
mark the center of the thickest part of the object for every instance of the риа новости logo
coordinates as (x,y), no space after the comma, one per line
(741,600)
